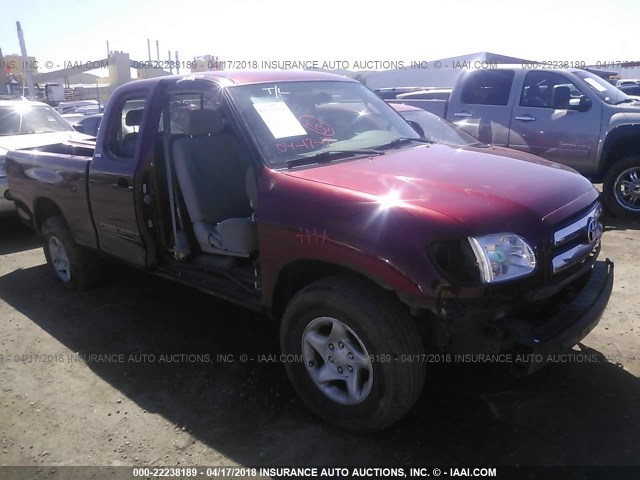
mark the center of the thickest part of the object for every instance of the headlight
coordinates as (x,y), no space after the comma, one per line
(502,256)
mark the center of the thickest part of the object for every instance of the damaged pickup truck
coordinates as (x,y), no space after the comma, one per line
(305,196)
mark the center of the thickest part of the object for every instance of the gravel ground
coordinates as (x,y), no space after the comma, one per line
(131,373)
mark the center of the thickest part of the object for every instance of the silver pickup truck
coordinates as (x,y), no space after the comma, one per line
(568,116)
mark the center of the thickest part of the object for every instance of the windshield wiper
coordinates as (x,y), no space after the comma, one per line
(329,155)
(401,140)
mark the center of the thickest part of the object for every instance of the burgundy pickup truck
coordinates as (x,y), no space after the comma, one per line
(305,196)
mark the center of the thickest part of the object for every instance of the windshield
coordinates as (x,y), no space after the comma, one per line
(438,130)
(24,118)
(607,92)
(294,120)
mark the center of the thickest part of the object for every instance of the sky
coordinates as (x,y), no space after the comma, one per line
(324,30)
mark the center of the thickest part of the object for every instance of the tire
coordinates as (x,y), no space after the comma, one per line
(621,203)
(372,325)
(75,266)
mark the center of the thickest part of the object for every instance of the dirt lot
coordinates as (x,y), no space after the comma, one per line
(62,404)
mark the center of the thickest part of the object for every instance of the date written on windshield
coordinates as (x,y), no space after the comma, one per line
(306,143)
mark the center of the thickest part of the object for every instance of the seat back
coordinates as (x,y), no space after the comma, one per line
(133,118)
(210,169)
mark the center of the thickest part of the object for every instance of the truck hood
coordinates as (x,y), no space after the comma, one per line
(481,187)
(33,140)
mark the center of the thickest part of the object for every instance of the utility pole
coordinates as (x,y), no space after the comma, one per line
(26,66)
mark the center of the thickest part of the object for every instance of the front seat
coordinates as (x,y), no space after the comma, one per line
(212,174)
(133,118)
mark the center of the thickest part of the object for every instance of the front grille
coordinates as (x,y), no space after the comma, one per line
(573,243)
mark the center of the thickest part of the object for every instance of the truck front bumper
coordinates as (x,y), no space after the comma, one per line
(570,323)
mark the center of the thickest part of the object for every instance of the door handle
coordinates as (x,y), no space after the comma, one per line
(462,114)
(122,184)
(526,118)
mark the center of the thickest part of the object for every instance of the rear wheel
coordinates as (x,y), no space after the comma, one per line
(352,344)
(75,266)
(621,189)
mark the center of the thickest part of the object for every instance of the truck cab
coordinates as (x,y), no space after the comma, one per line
(305,196)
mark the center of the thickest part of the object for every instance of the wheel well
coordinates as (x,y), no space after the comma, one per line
(43,210)
(299,274)
(621,142)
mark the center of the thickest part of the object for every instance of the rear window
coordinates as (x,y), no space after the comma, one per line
(488,87)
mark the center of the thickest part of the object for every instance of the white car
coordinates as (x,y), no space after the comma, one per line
(623,82)
(27,124)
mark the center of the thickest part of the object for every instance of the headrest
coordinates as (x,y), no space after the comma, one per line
(133,118)
(203,122)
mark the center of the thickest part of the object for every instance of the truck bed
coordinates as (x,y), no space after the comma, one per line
(58,171)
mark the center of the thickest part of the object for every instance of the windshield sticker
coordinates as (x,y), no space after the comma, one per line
(279,119)
(595,85)
(316,125)
(275,90)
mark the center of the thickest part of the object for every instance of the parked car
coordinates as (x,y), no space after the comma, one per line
(86,107)
(26,124)
(434,128)
(568,116)
(393,92)
(631,90)
(431,94)
(305,196)
(72,118)
(625,82)
(88,124)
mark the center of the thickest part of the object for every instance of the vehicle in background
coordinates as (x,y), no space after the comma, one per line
(434,128)
(430,97)
(27,124)
(568,116)
(431,94)
(86,107)
(89,124)
(393,92)
(631,90)
(72,118)
(305,196)
(52,93)
(625,82)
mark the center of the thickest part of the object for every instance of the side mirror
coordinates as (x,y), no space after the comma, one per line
(584,104)
(561,97)
(416,126)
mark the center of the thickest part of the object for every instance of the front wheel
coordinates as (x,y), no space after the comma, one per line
(75,266)
(621,189)
(353,347)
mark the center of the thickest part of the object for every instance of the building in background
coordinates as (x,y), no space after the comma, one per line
(12,73)
(437,73)
(207,63)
